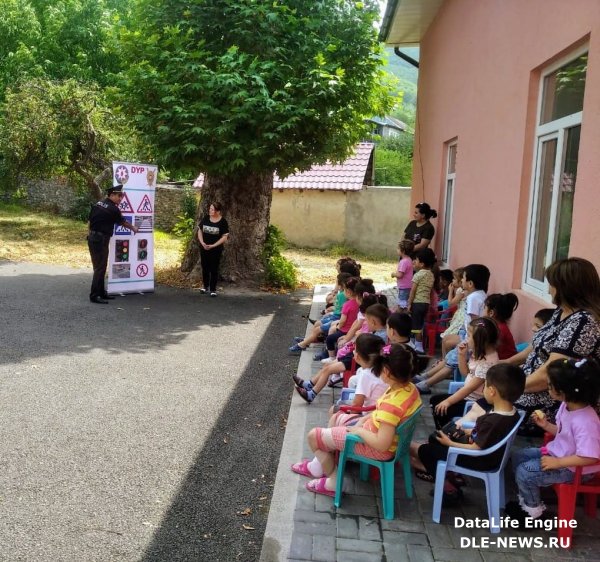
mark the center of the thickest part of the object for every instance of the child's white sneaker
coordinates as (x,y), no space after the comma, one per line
(328,360)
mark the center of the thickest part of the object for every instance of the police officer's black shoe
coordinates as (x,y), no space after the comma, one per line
(98,300)
(108,297)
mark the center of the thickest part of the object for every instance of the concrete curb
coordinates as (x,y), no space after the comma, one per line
(280,524)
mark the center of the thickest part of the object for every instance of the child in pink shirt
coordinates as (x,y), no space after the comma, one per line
(404,272)
(576,437)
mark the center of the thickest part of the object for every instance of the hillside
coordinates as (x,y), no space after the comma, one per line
(407,76)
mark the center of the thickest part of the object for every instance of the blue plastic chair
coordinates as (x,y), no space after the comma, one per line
(522,346)
(494,480)
(386,468)
(454,386)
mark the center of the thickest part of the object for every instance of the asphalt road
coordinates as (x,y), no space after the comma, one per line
(147,430)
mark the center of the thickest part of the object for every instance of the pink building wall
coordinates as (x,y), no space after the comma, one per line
(480,64)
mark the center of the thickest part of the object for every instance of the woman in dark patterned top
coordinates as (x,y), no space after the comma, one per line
(573,331)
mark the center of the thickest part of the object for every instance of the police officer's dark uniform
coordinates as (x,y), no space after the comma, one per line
(103,217)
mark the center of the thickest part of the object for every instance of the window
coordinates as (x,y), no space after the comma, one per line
(555,172)
(450,179)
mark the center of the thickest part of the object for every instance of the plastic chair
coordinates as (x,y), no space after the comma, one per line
(494,479)
(349,372)
(435,323)
(521,346)
(348,394)
(567,498)
(386,468)
(454,386)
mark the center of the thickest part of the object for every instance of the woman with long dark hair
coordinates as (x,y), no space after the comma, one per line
(573,331)
(420,230)
(213,232)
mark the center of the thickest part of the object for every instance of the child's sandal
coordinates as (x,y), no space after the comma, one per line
(318,487)
(425,476)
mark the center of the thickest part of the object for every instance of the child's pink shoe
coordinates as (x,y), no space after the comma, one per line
(302,468)
(318,487)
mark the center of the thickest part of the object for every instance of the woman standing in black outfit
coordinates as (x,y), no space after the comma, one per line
(213,232)
(420,230)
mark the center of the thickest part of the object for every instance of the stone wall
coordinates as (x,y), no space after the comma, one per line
(167,206)
(371,220)
(58,196)
(55,195)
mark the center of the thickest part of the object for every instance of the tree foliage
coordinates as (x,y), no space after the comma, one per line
(69,39)
(230,86)
(394,160)
(61,127)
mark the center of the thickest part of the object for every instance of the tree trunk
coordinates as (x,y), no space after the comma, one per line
(246,201)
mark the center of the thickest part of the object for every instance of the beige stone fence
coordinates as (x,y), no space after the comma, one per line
(371,220)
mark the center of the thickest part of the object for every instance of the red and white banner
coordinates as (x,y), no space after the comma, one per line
(131,258)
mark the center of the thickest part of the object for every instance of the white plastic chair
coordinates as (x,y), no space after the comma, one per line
(494,479)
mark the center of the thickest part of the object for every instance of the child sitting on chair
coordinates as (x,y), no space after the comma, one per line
(475,284)
(479,408)
(349,267)
(503,385)
(370,388)
(475,357)
(576,437)
(373,318)
(395,366)
(500,307)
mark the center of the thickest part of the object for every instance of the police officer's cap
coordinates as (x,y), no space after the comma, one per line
(115,189)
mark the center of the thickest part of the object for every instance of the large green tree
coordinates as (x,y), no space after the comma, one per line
(50,128)
(240,89)
(66,39)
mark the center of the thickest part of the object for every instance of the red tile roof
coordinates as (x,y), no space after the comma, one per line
(350,175)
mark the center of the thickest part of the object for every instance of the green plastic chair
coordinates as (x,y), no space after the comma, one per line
(386,468)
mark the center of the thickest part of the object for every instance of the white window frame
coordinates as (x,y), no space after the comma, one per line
(450,179)
(554,129)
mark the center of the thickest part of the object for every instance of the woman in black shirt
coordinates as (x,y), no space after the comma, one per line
(420,230)
(213,232)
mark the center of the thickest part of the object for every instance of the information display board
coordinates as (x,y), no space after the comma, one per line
(131,258)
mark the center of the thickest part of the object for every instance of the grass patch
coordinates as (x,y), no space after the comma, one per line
(318,266)
(27,235)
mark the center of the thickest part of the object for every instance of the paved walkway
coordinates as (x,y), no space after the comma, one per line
(303,526)
(147,430)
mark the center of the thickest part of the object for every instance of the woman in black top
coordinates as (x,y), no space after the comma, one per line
(213,232)
(420,230)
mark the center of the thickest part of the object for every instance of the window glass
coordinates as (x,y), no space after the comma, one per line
(452,159)
(543,210)
(563,90)
(566,193)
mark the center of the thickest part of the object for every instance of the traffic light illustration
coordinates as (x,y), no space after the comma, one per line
(142,249)
(122,250)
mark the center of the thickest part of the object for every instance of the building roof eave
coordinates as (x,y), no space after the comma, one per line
(405,22)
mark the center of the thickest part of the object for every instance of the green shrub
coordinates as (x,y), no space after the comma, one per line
(279,271)
(80,209)
(275,242)
(186,221)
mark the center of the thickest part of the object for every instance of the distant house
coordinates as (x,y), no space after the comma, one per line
(508,133)
(387,127)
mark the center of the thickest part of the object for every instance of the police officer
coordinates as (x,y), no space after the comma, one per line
(103,216)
